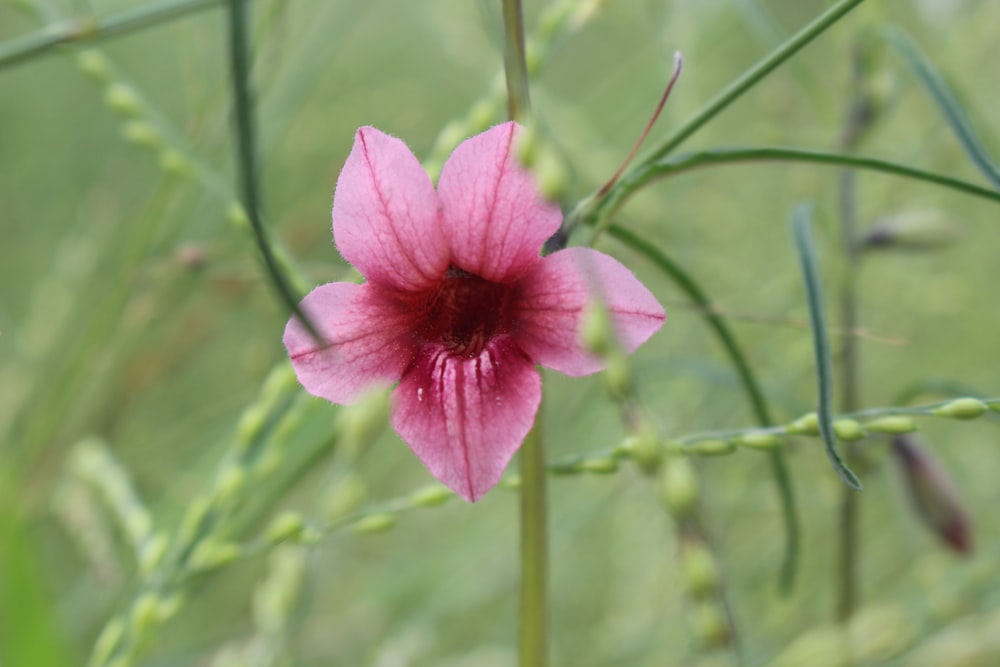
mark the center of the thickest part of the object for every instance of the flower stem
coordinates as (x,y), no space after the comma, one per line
(534,614)
(515,61)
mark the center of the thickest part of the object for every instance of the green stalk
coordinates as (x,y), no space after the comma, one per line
(534,616)
(641,176)
(243,111)
(80,31)
(515,61)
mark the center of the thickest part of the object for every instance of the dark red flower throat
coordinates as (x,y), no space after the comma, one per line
(464,312)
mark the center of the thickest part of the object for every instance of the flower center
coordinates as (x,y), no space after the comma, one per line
(465,312)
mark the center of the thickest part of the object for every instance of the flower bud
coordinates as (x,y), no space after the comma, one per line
(152,552)
(934,494)
(596,330)
(145,614)
(711,448)
(174,162)
(251,425)
(598,465)
(210,554)
(848,430)
(237,216)
(762,441)
(911,230)
(94,64)
(527,146)
(431,496)
(993,405)
(142,134)
(107,640)
(962,408)
(701,574)
(711,625)
(374,524)
(893,425)
(643,448)
(287,526)
(123,99)
(805,425)
(679,487)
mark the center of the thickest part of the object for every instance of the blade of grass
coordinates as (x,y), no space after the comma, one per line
(239,51)
(802,228)
(751,387)
(945,99)
(80,31)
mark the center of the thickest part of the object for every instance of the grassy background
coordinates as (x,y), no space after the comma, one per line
(109,326)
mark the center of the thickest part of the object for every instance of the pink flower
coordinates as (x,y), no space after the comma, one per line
(459,305)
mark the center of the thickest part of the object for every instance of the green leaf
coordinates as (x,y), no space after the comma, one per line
(946,101)
(801,226)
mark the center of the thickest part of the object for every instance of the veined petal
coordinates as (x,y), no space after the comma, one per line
(551,299)
(464,417)
(367,341)
(385,214)
(492,213)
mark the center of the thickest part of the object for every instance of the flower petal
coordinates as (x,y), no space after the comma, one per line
(493,215)
(551,300)
(368,342)
(464,417)
(385,214)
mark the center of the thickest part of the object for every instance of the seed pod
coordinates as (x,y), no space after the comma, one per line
(848,430)
(701,574)
(962,408)
(805,425)
(374,523)
(893,425)
(679,487)
(762,441)
(933,493)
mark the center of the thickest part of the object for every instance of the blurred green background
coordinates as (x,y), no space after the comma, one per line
(133,310)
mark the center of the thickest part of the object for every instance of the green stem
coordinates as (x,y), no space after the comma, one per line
(243,111)
(515,61)
(91,30)
(639,177)
(534,617)
(751,387)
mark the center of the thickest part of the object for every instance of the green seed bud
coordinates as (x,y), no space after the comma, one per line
(848,430)
(893,425)
(701,574)
(152,552)
(145,614)
(107,640)
(94,65)
(596,329)
(962,408)
(711,448)
(142,134)
(237,216)
(679,487)
(762,441)
(230,484)
(431,496)
(710,625)
(642,448)
(287,526)
(374,523)
(123,99)
(603,465)
(345,497)
(994,405)
(510,482)
(805,425)
(551,175)
(365,420)
(251,424)
(174,162)
(618,375)
(526,147)
(481,115)
(211,554)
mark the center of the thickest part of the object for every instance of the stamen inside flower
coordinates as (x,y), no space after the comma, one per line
(464,312)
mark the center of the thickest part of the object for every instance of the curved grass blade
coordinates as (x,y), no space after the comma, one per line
(239,51)
(751,387)
(801,226)
(80,31)
(945,99)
